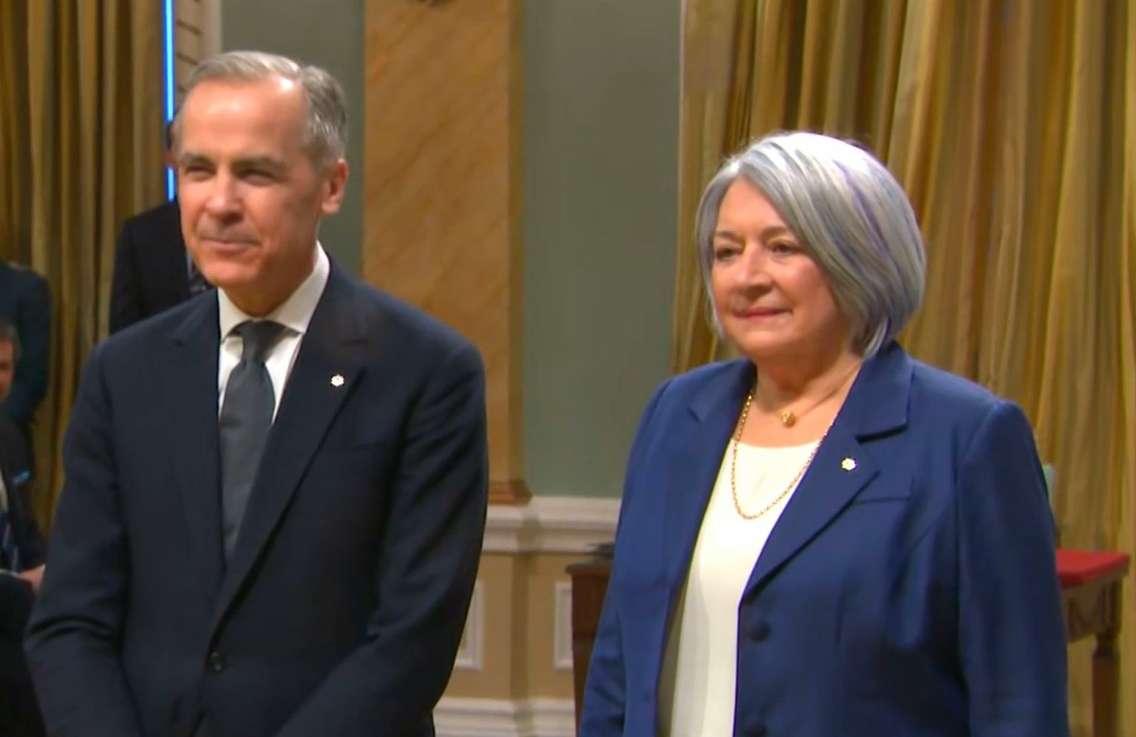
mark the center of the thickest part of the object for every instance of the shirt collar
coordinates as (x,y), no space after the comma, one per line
(294,313)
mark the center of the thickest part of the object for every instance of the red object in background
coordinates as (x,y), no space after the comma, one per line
(1076,567)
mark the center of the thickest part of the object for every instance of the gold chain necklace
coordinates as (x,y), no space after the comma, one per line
(734,465)
(788,417)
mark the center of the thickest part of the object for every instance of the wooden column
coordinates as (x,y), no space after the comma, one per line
(442,186)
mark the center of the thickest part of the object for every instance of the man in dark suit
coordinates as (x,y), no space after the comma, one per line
(21,562)
(187,592)
(25,302)
(152,269)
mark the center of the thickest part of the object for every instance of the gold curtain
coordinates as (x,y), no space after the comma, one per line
(81,149)
(1012,125)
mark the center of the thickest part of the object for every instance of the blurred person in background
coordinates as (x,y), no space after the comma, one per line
(21,561)
(153,271)
(25,303)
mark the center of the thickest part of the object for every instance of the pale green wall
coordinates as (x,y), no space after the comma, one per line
(600,168)
(330,35)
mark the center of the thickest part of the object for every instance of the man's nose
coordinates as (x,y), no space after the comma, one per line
(223,200)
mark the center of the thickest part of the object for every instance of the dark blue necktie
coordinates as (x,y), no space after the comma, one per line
(246,415)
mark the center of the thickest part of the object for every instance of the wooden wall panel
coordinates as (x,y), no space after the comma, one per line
(441,186)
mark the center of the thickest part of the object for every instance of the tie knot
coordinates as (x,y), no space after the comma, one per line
(258,336)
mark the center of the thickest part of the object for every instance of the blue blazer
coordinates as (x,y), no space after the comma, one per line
(342,605)
(914,594)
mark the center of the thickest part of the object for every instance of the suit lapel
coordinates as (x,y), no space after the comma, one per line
(876,404)
(694,455)
(326,371)
(192,368)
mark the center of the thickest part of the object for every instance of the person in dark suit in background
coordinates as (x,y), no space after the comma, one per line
(21,561)
(152,269)
(25,302)
(188,592)
(825,536)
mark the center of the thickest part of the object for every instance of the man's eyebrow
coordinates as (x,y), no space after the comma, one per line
(189,158)
(259,162)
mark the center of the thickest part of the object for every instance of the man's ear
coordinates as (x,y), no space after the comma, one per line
(335,185)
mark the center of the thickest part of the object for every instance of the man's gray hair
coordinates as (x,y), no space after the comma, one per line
(326,135)
(851,215)
(9,334)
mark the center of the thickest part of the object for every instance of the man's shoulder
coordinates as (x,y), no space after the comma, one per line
(19,277)
(145,334)
(388,318)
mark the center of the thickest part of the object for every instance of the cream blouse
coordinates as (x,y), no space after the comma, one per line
(696,690)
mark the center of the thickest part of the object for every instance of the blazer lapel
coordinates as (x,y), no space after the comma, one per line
(324,374)
(695,456)
(876,404)
(192,368)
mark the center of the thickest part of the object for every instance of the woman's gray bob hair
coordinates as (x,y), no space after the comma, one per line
(850,214)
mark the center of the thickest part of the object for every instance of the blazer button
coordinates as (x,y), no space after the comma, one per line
(216,662)
(759,631)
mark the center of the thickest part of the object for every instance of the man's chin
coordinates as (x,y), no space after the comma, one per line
(228,278)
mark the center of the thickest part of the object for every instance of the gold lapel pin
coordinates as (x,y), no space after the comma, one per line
(848,464)
(337,380)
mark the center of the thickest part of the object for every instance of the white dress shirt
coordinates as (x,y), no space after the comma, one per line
(294,314)
(697,685)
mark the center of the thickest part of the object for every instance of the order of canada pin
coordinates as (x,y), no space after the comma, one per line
(337,380)
(848,464)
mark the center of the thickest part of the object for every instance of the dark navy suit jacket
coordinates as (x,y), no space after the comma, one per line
(912,594)
(151,273)
(342,606)
(25,301)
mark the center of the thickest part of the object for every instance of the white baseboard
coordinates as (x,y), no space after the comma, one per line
(465,717)
(551,524)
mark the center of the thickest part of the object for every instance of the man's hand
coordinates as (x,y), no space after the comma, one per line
(33,576)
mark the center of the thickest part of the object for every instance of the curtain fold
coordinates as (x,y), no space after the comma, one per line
(1012,126)
(81,142)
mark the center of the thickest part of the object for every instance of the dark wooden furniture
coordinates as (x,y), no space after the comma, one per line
(1090,591)
(589,584)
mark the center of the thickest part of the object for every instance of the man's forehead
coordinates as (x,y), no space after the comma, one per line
(218,94)
(267,110)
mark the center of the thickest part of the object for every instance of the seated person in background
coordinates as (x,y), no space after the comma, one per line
(21,564)
(826,537)
(25,303)
(152,269)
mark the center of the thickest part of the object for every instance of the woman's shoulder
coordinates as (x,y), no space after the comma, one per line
(950,400)
(931,383)
(695,380)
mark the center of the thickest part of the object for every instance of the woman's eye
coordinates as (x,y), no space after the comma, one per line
(722,253)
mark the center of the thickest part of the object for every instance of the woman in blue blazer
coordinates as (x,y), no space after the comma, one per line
(826,538)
